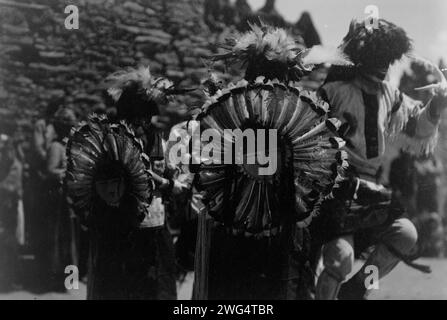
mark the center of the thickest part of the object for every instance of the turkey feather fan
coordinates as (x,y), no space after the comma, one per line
(96,144)
(307,148)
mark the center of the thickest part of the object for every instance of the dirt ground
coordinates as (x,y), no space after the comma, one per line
(405,283)
(402,284)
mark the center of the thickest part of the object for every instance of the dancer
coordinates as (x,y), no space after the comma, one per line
(372,114)
(107,178)
(146,104)
(257,245)
(131,255)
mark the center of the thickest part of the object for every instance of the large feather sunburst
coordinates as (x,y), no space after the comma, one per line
(96,143)
(309,157)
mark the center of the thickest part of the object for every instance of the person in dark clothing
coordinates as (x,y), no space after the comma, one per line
(56,220)
(110,228)
(107,179)
(253,237)
(149,266)
(35,191)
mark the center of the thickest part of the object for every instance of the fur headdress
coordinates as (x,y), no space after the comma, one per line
(376,48)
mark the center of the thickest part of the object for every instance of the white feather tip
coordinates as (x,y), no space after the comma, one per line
(323,54)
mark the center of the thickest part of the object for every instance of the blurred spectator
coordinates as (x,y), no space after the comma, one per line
(44,131)
(34,194)
(429,221)
(416,183)
(56,224)
(402,181)
(10,193)
(419,179)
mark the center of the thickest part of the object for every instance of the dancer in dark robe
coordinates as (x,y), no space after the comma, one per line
(151,268)
(110,230)
(131,250)
(253,238)
(107,178)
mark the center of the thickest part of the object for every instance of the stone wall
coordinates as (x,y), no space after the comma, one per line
(42,61)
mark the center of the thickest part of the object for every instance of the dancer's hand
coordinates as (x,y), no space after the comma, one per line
(179,187)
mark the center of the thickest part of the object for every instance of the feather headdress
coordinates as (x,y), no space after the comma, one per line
(212,85)
(274,54)
(377,48)
(325,54)
(155,89)
(138,95)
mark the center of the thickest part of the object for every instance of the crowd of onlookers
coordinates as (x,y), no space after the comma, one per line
(36,226)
